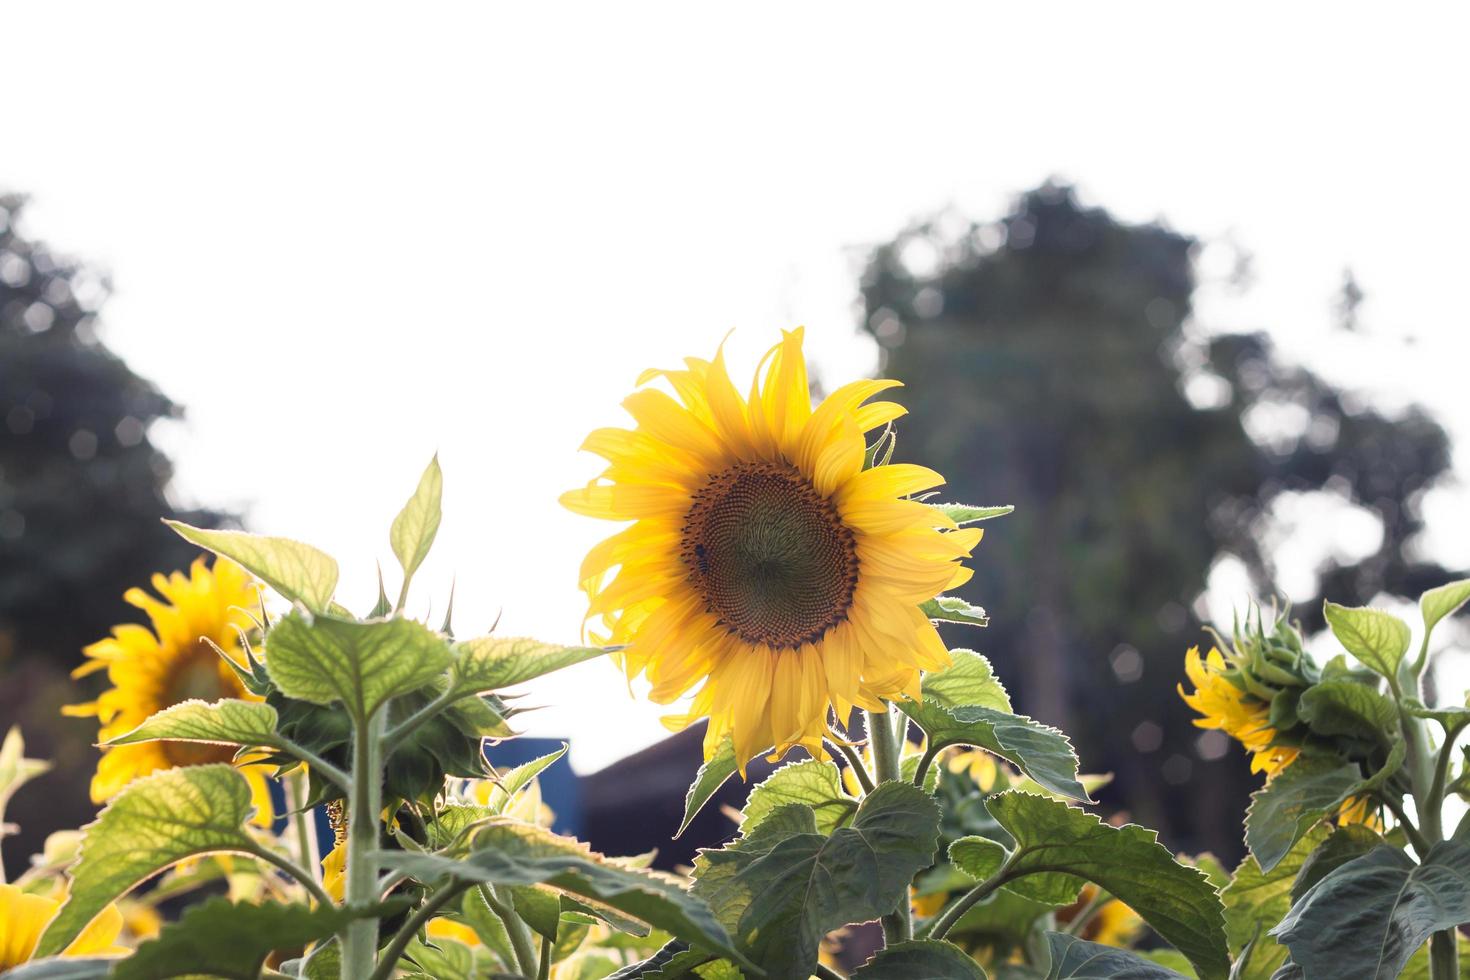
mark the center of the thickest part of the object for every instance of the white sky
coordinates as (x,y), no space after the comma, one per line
(346,236)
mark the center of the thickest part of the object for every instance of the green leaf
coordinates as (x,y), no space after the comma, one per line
(157,821)
(299,572)
(710,777)
(15,769)
(508,852)
(1078,959)
(1344,708)
(226,940)
(1310,789)
(413,531)
(816,783)
(969,513)
(225,722)
(784,886)
(539,907)
(1367,917)
(1058,846)
(1255,901)
(968,681)
(511,782)
(1345,844)
(953,609)
(1378,639)
(361,664)
(920,960)
(491,662)
(1444,601)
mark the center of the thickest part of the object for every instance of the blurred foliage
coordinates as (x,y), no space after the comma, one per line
(1053,364)
(82,488)
(82,491)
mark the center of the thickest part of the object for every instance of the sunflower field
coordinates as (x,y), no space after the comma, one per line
(777,575)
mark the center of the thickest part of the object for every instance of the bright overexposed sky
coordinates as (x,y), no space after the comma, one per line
(346,235)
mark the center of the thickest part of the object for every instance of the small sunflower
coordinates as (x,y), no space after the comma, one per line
(765,565)
(151,669)
(1230,708)
(24,917)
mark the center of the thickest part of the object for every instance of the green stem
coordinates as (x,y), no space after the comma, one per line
(1416,839)
(1444,955)
(544,971)
(520,936)
(306,846)
(307,879)
(1089,911)
(323,768)
(924,763)
(411,927)
(359,946)
(898,925)
(855,761)
(941,926)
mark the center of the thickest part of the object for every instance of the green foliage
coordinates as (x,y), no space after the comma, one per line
(299,572)
(1256,900)
(784,886)
(493,663)
(965,705)
(228,940)
(1283,810)
(811,782)
(953,609)
(1444,601)
(156,822)
(1369,915)
(920,960)
(226,722)
(413,530)
(360,664)
(711,776)
(1378,639)
(969,513)
(1077,959)
(1057,847)
(15,769)
(506,852)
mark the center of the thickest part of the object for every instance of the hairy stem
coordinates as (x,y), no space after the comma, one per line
(359,946)
(307,879)
(855,761)
(411,927)
(306,845)
(544,971)
(898,925)
(967,901)
(520,936)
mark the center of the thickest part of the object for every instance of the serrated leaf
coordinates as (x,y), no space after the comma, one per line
(921,959)
(508,852)
(512,781)
(1078,959)
(361,664)
(1255,902)
(813,782)
(969,513)
(1311,788)
(953,609)
(784,886)
(1041,752)
(491,662)
(222,939)
(1444,601)
(1378,639)
(968,680)
(157,821)
(1344,708)
(413,530)
(1058,846)
(224,722)
(299,572)
(707,781)
(1345,844)
(539,907)
(1392,906)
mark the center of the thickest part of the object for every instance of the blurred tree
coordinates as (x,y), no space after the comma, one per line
(1052,364)
(82,491)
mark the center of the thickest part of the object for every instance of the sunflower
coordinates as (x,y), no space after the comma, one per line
(765,564)
(151,669)
(1233,710)
(24,917)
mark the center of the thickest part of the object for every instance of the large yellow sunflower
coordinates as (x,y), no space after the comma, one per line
(151,669)
(764,561)
(24,917)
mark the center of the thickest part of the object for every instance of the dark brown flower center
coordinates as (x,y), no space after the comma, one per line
(770,555)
